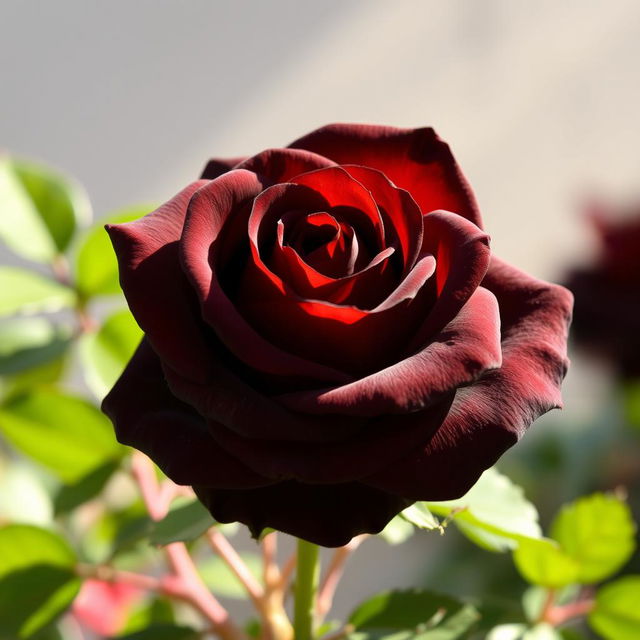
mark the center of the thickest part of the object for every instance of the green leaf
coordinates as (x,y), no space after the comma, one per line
(71,496)
(616,614)
(522,632)
(598,532)
(146,614)
(37,582)
(542,631)
(507,632)
(419,515)
(26,343)
(397,531)
(64,433)
(25,292)
(182,524)
(571,634)
(129,529)
(105,354)
(50,632)
(494,513)
(96,266)
(631,402)
(496,610)
(23,497)
(39,209)
(46,374)
(543,562)
(253,628)
(534,599)
(221,580)
(163,632)
(412,614)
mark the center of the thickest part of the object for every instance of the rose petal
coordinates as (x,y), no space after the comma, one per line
(361,289)
(325,515)
(226,399)
(464,350)
(217,166)
(156,289)
(319,239)
(358,341)
(413,159)
(400,213)
(491,415)
(147,416)
(462,257)
(386,439)
(345,337)
(207,214)
(280,165)
(339,189)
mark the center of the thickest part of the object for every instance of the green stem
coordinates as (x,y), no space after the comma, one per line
(306,586)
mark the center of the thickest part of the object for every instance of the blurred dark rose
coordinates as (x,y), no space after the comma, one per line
(607,291)
(328,337)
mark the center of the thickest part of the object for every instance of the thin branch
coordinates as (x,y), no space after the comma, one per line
(270,569)
(185,582)
(276,623)
(286,573)
(109,574)
(558,615)
(333,575)
(196,593)
(61,270)
(231,558)
(145,475)
(548,605)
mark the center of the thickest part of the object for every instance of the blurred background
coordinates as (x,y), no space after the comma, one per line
(539,103)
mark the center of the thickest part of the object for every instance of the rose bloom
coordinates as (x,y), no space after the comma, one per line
(607,290)
(328,337)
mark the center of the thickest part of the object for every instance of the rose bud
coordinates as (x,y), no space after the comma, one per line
(607,291)
(328,337)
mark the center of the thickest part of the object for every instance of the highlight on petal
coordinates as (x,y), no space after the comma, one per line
(462,256)
(147,416)
(328,515)
(209,211)
(342,191)
(280,165)
(489,416)
(401,215)
(465,349)
(346,338)
(294,232)
(416,160)
(159,295)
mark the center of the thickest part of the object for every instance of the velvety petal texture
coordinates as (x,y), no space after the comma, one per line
(327,335)
(298,509)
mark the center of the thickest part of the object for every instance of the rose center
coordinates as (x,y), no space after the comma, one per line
(322,240)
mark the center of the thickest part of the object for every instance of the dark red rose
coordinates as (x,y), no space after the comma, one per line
(328,337)
(607,291)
